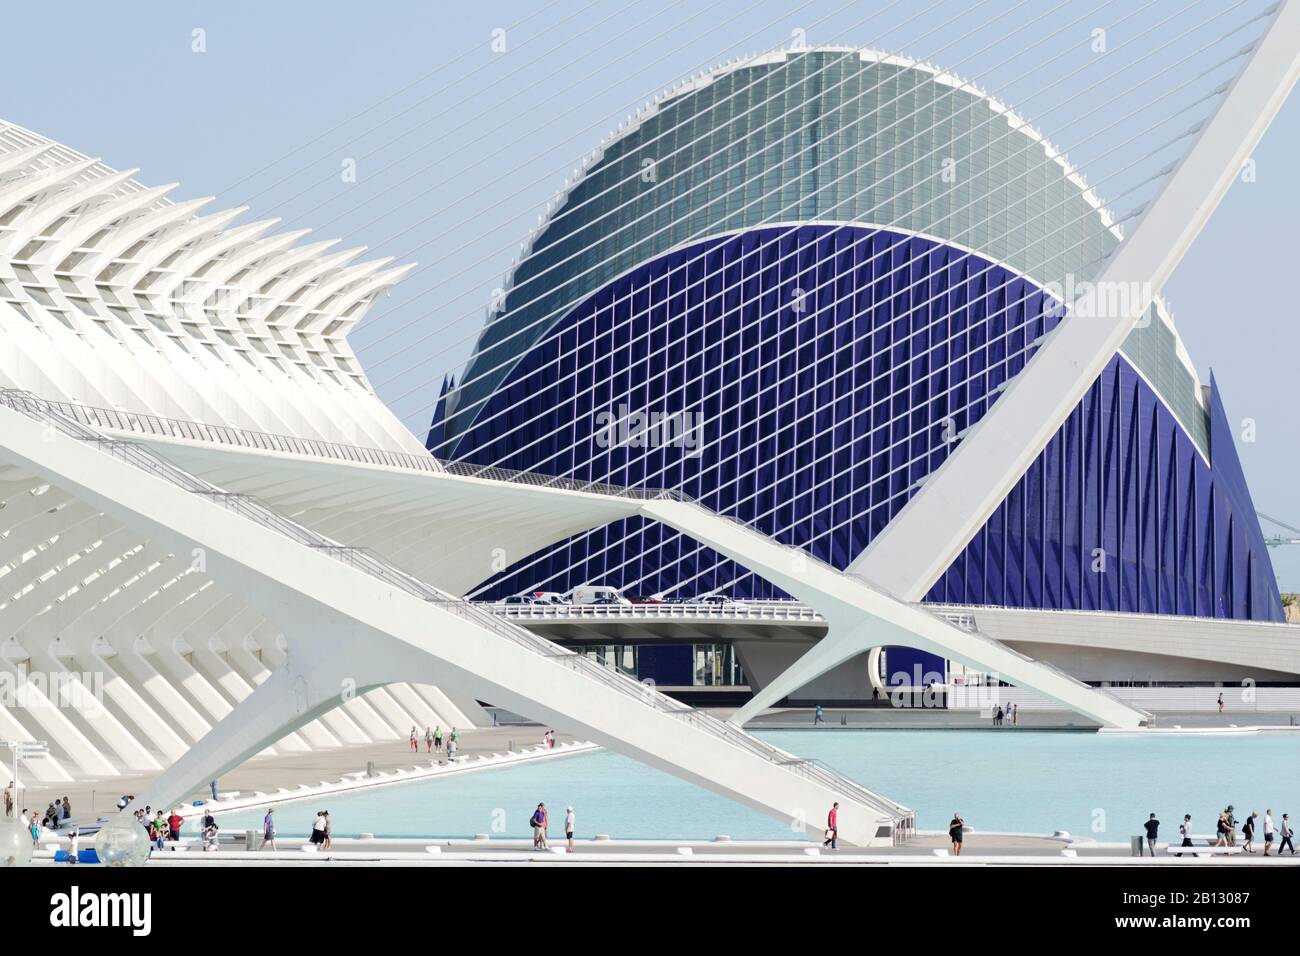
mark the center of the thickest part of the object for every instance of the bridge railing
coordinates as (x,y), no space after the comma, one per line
(736,611)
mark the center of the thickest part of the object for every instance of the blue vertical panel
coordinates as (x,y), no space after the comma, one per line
(668,665)
(1255,585)
(909,667)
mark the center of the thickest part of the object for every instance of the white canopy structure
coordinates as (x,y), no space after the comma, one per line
(207,508)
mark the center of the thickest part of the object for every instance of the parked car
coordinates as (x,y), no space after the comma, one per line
(519,599)
(597,594)
(721,600)
(549,597)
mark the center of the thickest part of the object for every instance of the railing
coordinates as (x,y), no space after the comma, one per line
(737,611)
(363,559)
(1192,618)
(116,420)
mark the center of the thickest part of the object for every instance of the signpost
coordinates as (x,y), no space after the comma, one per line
(24,750)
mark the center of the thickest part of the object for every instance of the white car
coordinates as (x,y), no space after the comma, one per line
(549,597)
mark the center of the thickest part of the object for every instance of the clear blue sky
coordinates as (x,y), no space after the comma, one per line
(487,138)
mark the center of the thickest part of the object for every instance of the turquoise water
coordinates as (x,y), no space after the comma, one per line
(1020,780)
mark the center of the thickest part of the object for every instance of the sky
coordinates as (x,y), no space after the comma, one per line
(457,143)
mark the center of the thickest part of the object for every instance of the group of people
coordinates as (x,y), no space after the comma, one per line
(1009,714)
(322,830)
(548,740)
(56,815)
(163,830)
(541,820)
(1225,833)
(160,828)
(433,740)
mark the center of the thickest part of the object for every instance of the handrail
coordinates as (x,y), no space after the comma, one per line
(1065,611)
(738,611)
(366,560)
(118,420)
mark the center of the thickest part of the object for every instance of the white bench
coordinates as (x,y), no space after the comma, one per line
(1203,850)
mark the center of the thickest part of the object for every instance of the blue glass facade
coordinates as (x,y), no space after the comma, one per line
(822,372)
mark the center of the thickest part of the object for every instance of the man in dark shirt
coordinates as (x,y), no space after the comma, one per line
(1152,827)
(955,833)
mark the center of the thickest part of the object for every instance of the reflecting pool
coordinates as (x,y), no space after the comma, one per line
(1019,780)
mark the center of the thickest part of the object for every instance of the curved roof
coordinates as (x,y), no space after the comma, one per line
(111,294)
(832,134)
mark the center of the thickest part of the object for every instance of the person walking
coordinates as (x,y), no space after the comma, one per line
(328,830)
(1268,829)
(570,821)
(1185,830)
(1248,831)
(212,788)
(9,799)
(268,829)
(428,740)
(1230,823)
(415,742)
(817,715)
(159,831)
(1153,829)
(1015,714)
(833,827)
(174,825)
(437,738)
(1220,703)
(1221,829)
(955,829)
(1286,832)
(318,828)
